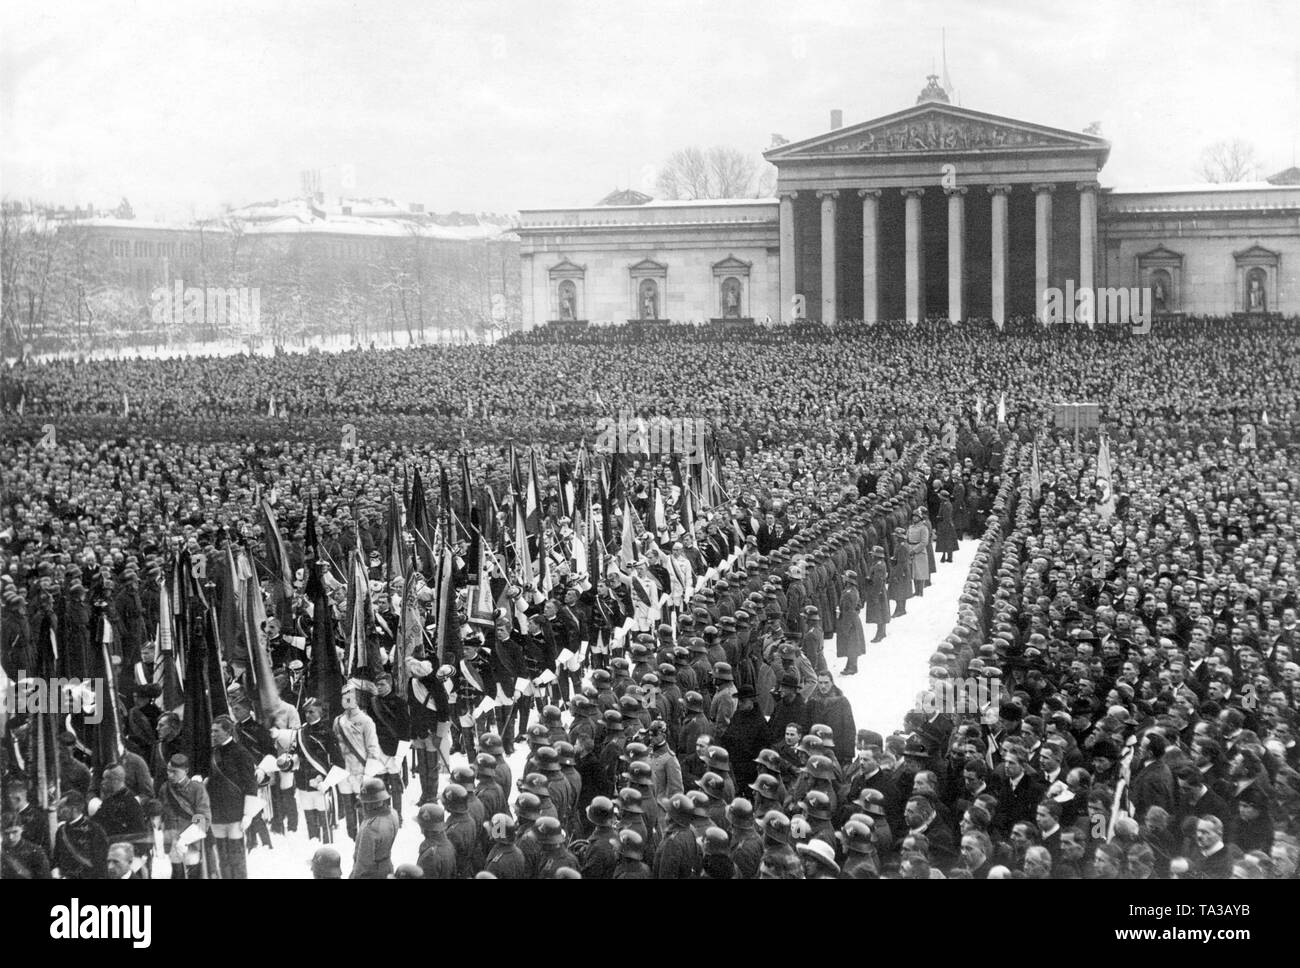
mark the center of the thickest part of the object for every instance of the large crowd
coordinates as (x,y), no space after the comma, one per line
(1130,614)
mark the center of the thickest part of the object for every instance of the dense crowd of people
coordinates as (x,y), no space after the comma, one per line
(1130,618)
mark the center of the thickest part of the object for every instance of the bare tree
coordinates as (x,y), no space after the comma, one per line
(1230,160)
(717,172)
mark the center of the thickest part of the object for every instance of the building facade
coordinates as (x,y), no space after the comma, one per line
(933,211)
(360,267)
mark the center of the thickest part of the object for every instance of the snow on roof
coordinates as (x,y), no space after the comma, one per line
(1258,186)
(657,203)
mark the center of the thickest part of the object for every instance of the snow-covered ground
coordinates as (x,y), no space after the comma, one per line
(889,677)
(893,671)
(336,343)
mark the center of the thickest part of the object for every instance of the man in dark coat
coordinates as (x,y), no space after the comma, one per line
(849,640)
(876,596)
(231,784)
(80,847)
(831,707)
(789,708)
(900,573)
(679,854)
(746,736)
(946,532)
(812,642)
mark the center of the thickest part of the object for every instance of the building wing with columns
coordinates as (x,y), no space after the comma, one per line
(933,211)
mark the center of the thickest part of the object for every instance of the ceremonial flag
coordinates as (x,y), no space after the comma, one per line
(533,501)
(627,548)
(325,678)
(395,565)
(516,478)
(566,491)
(108,748)
(410,635)
(466,493)
(606,514)
(126,405)
(215,660)
(1105,479)
(1002,408)
(523,561)
(422,527)
(686,510)
(197,718)
(264,692)
(447,629)
(615,482)
(1264,418)
(166,670)
(277,563)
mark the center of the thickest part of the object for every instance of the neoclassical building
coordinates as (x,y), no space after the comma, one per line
(935,210)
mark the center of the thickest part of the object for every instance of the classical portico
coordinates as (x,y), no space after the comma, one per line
(934,211)
(963,214)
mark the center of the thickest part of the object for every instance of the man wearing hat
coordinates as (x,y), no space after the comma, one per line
(599,857)
(465,834)
(849,640)
(679,855)
(555,856)
(631,854)
(437,856)
(819,860)
(900,573)
(723,706)
(372,857)
(505,860)
(790,709)
(746,736)
(876,596)
(812,642)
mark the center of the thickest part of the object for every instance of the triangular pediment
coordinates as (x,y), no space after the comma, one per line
(1256,255)
(647,265)
(567,267)
(933,128)
(732,264)
(1160,254)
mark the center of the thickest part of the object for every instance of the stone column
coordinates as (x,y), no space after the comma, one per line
(870,253)
(956,253)
(828,197)
(1042,244)
(1001,239)
(786,296)
(1087,235)
(914,276)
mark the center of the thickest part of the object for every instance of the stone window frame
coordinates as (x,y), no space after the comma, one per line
(1162,257)
(725,269)
(1257,257)
(637,273)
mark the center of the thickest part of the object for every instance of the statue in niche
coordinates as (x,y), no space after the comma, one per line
(568,301)
(1256,299)
(649,299)
(731,298)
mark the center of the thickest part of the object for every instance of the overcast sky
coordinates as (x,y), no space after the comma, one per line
(497,106)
